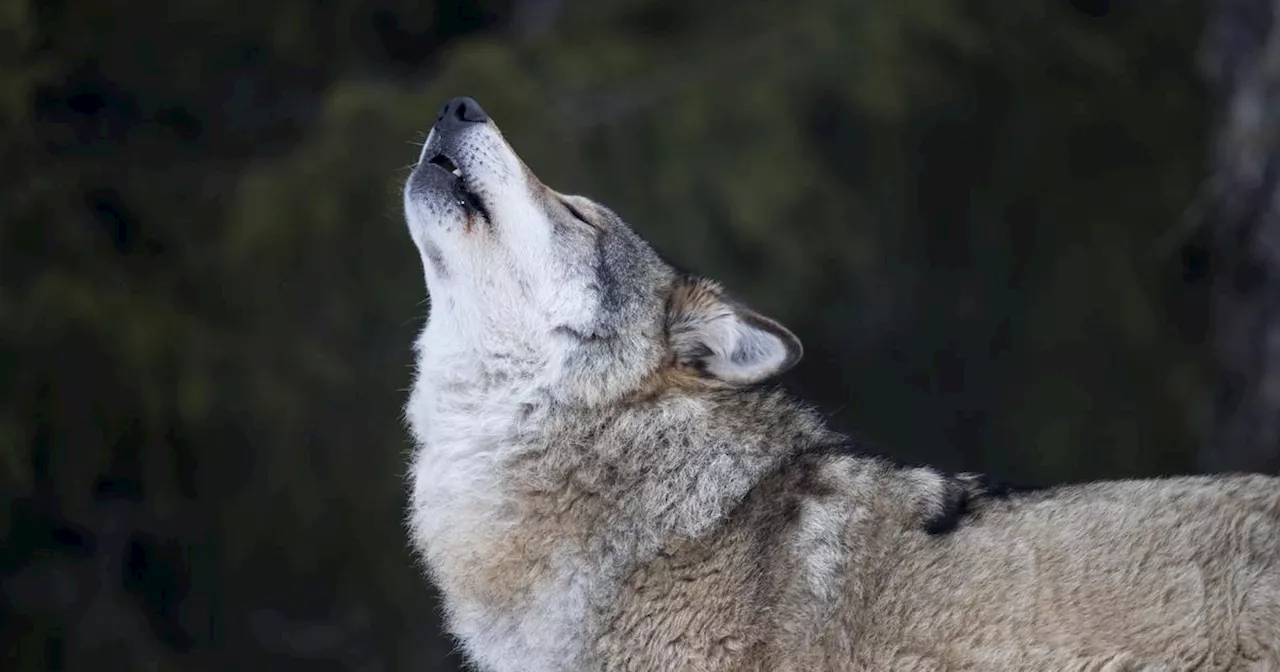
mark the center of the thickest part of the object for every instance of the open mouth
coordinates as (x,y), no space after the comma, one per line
(466,198)
(446,163)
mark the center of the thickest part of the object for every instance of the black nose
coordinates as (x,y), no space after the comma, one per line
(460,112)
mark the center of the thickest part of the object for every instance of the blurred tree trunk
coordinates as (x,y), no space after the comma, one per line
(1241,60)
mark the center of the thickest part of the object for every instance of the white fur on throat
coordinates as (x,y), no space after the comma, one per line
(465,411)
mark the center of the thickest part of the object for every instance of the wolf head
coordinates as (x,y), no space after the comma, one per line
(517,270)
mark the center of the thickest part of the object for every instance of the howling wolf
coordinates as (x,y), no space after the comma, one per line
(604,480)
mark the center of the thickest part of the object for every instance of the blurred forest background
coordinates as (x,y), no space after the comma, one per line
(1020,237)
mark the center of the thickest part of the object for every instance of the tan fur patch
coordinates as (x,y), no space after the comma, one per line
(689,298)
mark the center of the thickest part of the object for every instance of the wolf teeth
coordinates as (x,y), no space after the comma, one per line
(456,172)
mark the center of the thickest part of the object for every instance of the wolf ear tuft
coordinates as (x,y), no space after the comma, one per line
(724,340)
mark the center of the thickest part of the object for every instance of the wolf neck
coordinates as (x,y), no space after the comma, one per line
(465,412)
(528,512)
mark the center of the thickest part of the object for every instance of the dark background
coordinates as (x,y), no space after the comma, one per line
(991,223)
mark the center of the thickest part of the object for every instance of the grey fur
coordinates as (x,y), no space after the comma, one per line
(603,480)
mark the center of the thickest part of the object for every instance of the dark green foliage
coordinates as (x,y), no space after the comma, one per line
(969,211)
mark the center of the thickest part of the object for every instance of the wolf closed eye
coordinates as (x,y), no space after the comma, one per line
(603,479)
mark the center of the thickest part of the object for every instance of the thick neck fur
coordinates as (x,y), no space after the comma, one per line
(530,510)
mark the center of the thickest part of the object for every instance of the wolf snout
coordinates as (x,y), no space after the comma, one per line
(458,113)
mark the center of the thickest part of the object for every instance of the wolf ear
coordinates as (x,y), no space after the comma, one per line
(724,340)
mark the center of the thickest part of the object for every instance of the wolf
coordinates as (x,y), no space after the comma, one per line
(605,476)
